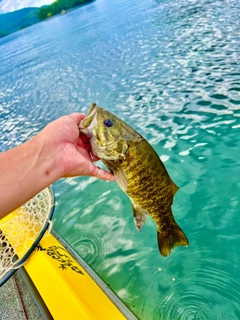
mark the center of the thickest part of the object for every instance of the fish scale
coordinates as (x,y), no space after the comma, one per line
(144,187)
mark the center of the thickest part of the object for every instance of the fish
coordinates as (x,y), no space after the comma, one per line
(139,172)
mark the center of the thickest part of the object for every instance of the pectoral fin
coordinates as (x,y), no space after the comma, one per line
(118,173)
(139,216)
(121,179)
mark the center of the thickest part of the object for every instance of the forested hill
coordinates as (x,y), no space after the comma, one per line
(16,20)
(13,21)
(58,7)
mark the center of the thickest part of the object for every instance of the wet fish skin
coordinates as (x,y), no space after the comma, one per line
(139,172)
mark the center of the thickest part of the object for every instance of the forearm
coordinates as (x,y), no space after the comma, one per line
(57,151)
(25,171)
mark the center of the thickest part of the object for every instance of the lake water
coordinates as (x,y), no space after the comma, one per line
(171,70)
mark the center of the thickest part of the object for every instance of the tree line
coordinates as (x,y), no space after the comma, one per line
(19,19)
(57,7)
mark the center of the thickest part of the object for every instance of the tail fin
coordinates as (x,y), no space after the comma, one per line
(167,241)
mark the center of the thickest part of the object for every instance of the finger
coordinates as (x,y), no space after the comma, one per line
(93,157)
(100,173)
(78,117)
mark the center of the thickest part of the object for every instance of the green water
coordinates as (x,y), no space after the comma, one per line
(171,70)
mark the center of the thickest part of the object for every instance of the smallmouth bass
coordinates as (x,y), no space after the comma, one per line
(139,172)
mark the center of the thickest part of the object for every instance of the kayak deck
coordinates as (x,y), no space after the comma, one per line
(69,287)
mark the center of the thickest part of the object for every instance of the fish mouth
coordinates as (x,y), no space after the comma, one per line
(89,121)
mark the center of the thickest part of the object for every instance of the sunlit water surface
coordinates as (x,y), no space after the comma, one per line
(171,70)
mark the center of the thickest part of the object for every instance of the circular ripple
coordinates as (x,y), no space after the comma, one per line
(206,292)
(92,247)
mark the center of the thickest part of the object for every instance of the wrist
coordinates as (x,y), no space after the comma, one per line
(25,171)
(46,159)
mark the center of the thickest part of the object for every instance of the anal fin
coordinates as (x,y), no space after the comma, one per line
(139,216)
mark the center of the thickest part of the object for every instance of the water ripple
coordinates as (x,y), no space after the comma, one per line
(205,293)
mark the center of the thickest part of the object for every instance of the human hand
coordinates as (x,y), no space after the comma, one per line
(70,149)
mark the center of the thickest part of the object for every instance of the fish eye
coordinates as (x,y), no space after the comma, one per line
(108,123)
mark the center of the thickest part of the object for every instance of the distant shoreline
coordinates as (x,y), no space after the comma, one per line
(20,19)
(58,7)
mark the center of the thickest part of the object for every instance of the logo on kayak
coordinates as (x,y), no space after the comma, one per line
(60,254)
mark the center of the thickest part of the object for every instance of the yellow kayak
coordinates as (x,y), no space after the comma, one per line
(69,287)
(61,282)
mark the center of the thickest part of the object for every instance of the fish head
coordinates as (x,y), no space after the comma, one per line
(109,136)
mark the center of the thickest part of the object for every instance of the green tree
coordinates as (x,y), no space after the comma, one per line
(57,6)
(43,14)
